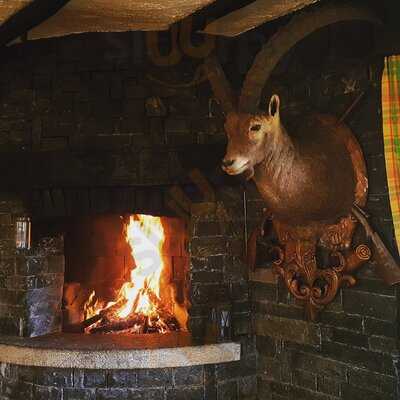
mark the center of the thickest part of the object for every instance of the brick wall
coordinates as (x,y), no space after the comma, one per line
(31,281)
(76,118)
(186,383)
(80,110)
(349,352)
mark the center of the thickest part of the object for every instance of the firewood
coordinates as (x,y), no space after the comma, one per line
(137,319)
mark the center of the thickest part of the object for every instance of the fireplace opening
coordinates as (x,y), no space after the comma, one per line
(125,275)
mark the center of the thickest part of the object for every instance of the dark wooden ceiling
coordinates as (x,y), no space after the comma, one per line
(42,19)
(253,15)
(79,16)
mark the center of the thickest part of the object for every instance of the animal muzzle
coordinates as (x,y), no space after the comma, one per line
(227,163)
(235,166)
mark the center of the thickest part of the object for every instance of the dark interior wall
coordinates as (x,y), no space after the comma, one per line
(78,112)
(80,90)
(75,128)
(348,353)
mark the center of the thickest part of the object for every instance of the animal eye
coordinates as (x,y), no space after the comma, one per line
(255,128)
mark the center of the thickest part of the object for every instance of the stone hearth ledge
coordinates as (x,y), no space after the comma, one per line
(115,351)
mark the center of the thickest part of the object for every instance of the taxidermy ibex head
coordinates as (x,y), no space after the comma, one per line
(297,174)
(313,179)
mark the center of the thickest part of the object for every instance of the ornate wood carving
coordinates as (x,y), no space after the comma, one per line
(312,284)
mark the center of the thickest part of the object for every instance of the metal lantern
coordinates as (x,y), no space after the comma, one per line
(219,324)
(23,233)
(225,325)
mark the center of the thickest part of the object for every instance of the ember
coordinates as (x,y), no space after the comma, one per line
(146,303)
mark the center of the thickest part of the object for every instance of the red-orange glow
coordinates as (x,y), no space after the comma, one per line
(147,301)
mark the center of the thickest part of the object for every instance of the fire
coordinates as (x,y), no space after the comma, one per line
(145,303)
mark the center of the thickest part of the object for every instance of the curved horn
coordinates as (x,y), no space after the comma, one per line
(297,29)
(220,85)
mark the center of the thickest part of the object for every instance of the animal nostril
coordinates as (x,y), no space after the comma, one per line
(227,163)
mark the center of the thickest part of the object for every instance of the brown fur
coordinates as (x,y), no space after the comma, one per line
(304,177)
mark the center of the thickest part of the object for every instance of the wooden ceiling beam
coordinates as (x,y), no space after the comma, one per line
(81,16)
(253,15)
(26,16)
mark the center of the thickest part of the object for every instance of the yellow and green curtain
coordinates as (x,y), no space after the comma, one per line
(391,134)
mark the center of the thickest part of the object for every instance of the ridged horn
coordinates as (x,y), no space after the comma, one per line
(301,25)
(221,87)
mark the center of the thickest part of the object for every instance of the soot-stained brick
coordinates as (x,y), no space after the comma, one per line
(78,394)
(247,387)
(122,378)
(111,394)
(154,378)
(328,386)
(145,394)
(48,393)
(372,381)
(54,377)
(288,329)
(368,304)
(373,326)
(188,393)
(319,364)
(89,378)
(356,393)
(348,337)
(188,376)
(227,391)
(362,358)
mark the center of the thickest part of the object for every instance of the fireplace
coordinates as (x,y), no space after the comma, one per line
(126,274)
(169,338)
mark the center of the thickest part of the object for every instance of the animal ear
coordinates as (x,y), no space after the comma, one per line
(274,104)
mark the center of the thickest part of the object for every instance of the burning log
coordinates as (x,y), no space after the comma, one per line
(141,323)
(81,326)
(119,325)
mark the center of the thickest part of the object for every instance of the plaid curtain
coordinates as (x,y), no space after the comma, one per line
(391,134)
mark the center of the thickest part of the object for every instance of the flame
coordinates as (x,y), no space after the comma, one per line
(146,238)
(143,294)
